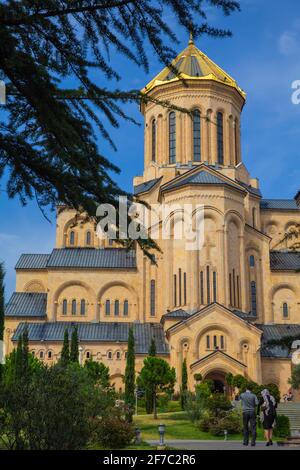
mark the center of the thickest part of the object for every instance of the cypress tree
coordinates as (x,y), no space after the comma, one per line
(74,350)
(130,375)
(184,384)
(149,393)
(19,359)
(65,352)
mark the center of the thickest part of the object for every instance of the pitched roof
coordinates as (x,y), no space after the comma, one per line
(144,187)
(214,353)
(284,261)
(32,261)
(250,189)
(199,177)
(193,64)
(99,333)
(26,304)
(271,332)
(279,204)
(108,258)
(179,313)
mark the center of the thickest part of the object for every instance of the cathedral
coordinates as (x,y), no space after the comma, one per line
(218,306)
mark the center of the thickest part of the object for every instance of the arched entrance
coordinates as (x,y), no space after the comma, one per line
(218,378)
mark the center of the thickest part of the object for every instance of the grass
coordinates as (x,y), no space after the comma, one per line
(178,427)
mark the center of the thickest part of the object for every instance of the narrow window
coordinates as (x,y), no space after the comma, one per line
(252,261)
(88,355)
(65,307)
(201,288)
(41,354)
(184,289)
(236,141)
(117,305)
(118,355)
(107,307)
(215,286)
(208,284)
(230,290)
(49,354)
(238,290)
(172,137)
(88,238)
(220,138)
(254,217)
(109,355)
(152,298)
(153,140)
(215,342)
(285,310)
(197,135)
(175,290)
(72,238)
(207,342)
(74,307)
(234,290)
(126,308)
(82,307)
(179,278)
(222,343)
(253,298)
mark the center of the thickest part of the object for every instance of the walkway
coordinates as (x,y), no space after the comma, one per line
(219,445)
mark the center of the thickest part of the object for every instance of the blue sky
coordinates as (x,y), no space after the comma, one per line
(263,56)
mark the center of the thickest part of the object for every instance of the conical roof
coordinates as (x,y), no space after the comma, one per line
(193,64)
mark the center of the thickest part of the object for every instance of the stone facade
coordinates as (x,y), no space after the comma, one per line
(212,304)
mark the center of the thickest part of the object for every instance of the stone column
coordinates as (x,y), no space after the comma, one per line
(221,271)
(226,268)
(242,273)
(208,156)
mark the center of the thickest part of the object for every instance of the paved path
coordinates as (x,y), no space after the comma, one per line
(220,445)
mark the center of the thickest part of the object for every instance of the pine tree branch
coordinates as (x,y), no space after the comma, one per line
(23,20)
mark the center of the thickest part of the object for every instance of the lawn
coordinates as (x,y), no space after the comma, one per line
(178,427)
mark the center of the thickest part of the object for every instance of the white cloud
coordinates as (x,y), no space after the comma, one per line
(288,43)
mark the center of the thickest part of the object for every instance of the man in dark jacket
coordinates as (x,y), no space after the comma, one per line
(249,404)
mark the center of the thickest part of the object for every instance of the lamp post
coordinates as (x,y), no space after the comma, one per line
(225,434)
(137,435)
(162,430)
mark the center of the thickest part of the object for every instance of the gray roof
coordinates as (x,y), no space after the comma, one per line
(144,187)
(250,188)
(279,204)
(245,316)
(200,177)
(108,258)
(99,333)
(34,261)
(284,261)
(26,304)
(271,332)
(180,313)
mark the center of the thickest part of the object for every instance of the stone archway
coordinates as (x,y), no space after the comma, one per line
(218,378)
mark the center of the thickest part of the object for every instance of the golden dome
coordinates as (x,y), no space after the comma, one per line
(192,64)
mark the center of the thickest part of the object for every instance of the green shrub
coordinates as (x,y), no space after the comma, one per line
(218,404)
(282,428)
(231,422)
(205,422)
(162,402)
(114,432)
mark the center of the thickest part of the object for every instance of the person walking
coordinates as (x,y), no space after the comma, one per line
(268,407)
(249,404)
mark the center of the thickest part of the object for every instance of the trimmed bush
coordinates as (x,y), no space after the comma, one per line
(282,428)
(114,432)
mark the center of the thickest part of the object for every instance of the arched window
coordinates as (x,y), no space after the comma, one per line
(88,238)
(126,308)
(208,284)
(236,140)
(88,355)
(197,135)
(253,298)
(117,308)
(215,342)
(285,309)
(202,288)
(254,217)
(65,307)
(222,342)
(41,354)
(82,307)
(49,354)
(74,307)
(152,298)
(207,342)
(107,307)
(220,138)
(109,355)
(72,238)
(153,142)
(215,286)
(172,137)
(118,355)
(252,261)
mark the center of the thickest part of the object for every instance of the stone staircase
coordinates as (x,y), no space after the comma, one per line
(292,411)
